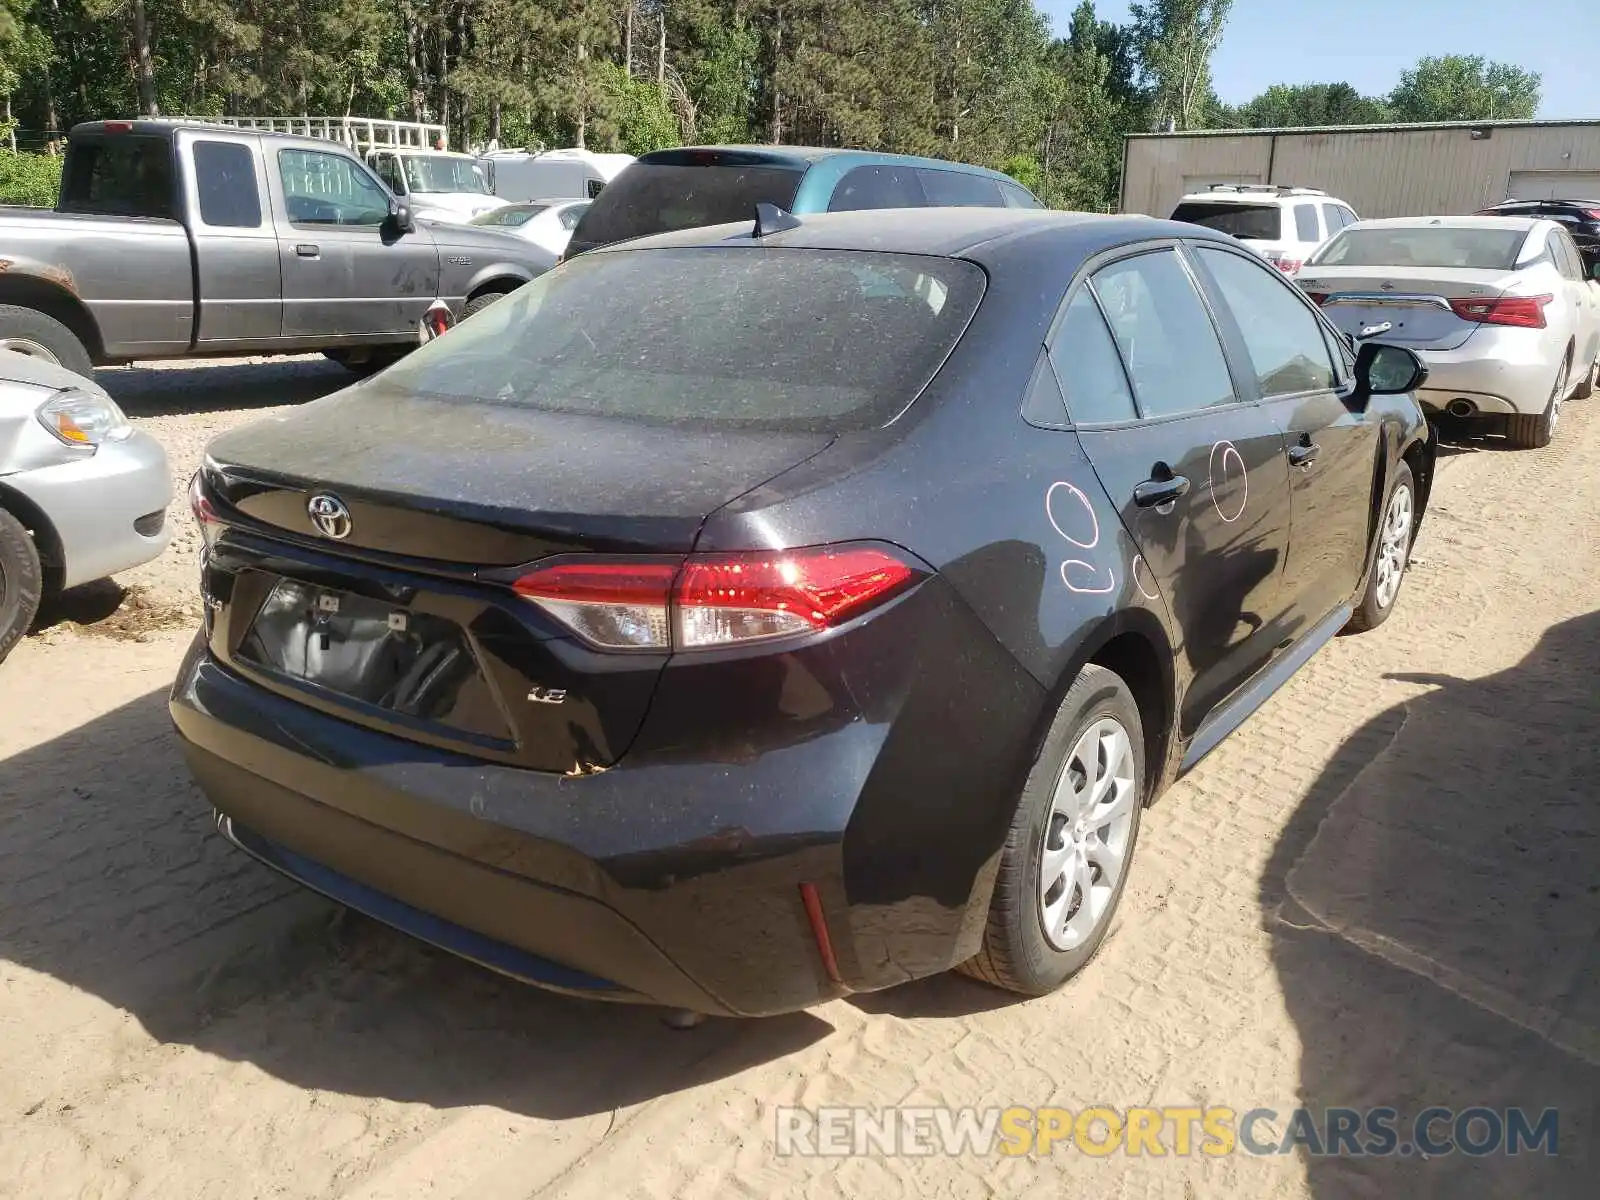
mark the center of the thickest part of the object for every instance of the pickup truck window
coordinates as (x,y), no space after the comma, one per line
(329,189)
(225,177)
(121,176)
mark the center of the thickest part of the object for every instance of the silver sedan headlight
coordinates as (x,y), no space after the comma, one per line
(79,418)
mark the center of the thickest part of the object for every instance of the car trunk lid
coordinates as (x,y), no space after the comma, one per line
(401,615)
(1415,302)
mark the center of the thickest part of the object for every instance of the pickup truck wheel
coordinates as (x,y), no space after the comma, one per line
(482,301)
(371,364)
(28,331)
(20,582)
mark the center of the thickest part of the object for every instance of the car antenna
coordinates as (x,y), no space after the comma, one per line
(772,219)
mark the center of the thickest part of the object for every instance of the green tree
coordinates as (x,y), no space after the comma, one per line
(1175,40)
(1457,87)
(1285,105)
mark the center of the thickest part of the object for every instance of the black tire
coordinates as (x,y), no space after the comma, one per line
(1586,389)
(21,582)
(1371,612)
(1534,432)
(29,324)
(1016,955)
(482,301)
(364,365)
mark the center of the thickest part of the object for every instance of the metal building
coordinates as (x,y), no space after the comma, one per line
(1380,170)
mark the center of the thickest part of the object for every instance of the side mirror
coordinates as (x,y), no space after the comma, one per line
(1384,370)
(400,217)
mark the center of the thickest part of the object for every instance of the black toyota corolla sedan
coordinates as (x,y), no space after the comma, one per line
(752,615)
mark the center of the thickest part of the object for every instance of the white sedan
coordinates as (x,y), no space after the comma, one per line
(1501,309)
(547,223)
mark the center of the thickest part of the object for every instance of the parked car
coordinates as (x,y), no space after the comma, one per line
(548,224)
(1500,308)
(83,494)
(437,185)
(1580,218)
(1285,225)
(906,557)
(179,238)
(571,173)
(707,185)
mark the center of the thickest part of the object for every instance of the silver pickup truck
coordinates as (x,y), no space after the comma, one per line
(178,238)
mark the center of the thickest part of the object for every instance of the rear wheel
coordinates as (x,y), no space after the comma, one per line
(1397,529)
(1533,432)
(29,331)
(21,581)
(482,301)
(365,362)
(1066,858)
(1586,389)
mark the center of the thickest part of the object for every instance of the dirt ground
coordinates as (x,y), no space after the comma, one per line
(1385,890)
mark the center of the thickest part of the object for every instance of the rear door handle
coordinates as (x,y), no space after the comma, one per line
(307,250)
(1153,493)
(1304,454)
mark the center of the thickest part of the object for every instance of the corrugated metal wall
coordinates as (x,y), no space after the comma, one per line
(1381,172)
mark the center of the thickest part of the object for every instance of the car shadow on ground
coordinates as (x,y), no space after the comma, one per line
(196,386)
(1435,911)
(113,881)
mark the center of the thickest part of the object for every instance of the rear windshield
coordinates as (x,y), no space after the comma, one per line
(737,337)
(660,197)
(1247,222)
(511,215)
(1429,246)
(124,175)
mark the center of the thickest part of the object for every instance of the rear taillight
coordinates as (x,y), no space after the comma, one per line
(204,515)
(1523,312)
(1592,213)
(711,600)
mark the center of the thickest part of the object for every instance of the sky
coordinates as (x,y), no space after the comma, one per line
(1368,44)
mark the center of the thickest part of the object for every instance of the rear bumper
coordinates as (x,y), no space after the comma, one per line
(674,877)
(108,510)
(1497,370)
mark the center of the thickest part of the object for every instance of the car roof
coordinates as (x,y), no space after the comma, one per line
(807,156)
(1472,222)
(947,232)
(1559,203)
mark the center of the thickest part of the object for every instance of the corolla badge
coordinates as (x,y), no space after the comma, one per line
(329,515)
(1387,286)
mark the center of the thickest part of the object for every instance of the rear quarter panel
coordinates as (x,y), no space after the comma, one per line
(133,274)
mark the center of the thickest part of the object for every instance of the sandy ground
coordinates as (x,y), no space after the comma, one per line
(1384,890)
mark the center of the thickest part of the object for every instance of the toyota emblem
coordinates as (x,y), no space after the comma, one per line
(329,515)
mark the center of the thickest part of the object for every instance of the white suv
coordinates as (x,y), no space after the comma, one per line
(1285,225)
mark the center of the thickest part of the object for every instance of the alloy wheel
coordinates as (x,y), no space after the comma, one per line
(1086,834)
(29,347)
(1394,544)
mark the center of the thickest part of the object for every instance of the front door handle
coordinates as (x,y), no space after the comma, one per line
(1153,493)
(1304,454)
(307,250)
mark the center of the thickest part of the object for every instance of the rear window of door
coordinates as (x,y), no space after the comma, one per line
(1164,331)
(120,176)
(1305,223)
(1018,196)
(958,189)
(711,338)
(878,186)
(652,198)
(1285,340)
(1088,367)
(1247,222)
(225,179)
